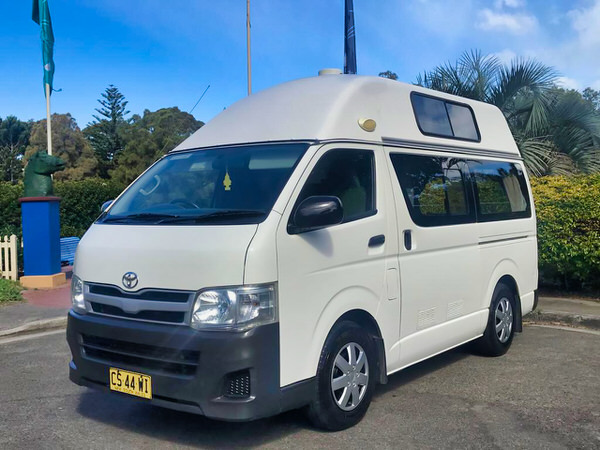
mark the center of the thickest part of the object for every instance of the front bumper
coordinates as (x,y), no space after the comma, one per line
(191,370)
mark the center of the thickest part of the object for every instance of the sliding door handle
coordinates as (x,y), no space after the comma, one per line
(407,239)
(376,241)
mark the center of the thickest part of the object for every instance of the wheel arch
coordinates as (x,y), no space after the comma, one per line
(511,283)
(369,323)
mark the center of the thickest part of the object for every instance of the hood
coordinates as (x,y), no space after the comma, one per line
(165,257)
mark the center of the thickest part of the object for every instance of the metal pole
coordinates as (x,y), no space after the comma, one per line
(48,121)
(248,45)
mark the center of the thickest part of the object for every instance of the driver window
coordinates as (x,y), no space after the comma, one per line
(349,175)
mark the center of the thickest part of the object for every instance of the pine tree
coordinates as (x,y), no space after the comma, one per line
(105,132)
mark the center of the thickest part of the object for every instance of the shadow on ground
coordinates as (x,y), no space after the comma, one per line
(189,429)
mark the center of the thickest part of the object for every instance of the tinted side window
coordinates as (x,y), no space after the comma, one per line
(462,122)
(439,117)
(347,174)
(501,190)
(436,189)
(432,116)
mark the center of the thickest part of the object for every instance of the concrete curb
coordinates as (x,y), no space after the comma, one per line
(574,320)
(36,325)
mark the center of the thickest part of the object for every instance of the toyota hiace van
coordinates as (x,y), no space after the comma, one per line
(306,243)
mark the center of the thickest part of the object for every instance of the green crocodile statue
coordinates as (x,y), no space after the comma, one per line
(37,179)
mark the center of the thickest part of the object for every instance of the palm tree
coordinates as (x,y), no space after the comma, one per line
(557,131)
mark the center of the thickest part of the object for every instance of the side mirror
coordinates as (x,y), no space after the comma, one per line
(315,213)
(106,205)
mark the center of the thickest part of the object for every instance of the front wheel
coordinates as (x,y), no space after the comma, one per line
(500,329)
(345,378)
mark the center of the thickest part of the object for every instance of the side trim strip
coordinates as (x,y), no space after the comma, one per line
(494,241)
(449,148)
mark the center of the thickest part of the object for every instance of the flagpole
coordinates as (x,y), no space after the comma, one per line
(248,46)
(48,121)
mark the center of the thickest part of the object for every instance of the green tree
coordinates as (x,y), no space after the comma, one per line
(105,132)
(389,74)
(68,143)
(149,137)
(14,137)
(555,131)
(592,96)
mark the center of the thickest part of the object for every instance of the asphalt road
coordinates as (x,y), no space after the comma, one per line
(545,393)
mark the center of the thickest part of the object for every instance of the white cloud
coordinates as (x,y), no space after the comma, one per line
(509,3)
(505,56)
(511,23)
(575,55)
(568,83)
(586,23)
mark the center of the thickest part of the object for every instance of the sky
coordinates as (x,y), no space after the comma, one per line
(165,53)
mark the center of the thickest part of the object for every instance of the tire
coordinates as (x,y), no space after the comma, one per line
(342,399)
(500,329)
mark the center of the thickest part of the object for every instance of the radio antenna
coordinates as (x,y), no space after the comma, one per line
(200,98)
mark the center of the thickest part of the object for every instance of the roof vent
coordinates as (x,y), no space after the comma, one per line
(330,72)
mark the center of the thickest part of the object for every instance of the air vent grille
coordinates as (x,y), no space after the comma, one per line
(237,384)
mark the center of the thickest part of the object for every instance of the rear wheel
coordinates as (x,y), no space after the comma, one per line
(500,329)
(345,378)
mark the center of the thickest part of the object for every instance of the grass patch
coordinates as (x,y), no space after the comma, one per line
(10,291)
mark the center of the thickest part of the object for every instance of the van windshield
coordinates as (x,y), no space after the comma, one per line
(234,185)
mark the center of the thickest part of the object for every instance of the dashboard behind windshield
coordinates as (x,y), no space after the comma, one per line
(224,185)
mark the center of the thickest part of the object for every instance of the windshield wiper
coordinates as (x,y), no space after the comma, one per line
(140,216)
(226,213)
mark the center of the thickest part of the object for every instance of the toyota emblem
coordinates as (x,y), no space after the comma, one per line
(130,280)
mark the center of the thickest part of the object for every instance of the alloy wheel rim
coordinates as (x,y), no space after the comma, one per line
(349,376)
(504,320)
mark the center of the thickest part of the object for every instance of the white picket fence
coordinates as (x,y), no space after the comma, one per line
(9,268)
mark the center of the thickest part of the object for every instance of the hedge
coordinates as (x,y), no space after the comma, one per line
(568,214)
(81,201)
(10,209)
(80,204)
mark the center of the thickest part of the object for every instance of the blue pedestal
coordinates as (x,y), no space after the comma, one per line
(41,235)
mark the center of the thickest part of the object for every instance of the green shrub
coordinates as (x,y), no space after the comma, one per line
(10,209)
(10,291)
(81,201)
(80,204)
(568,214)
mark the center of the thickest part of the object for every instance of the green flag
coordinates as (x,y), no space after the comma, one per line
(41,16)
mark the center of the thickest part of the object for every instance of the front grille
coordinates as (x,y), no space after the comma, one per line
(156,316)
(155,305)
(237,384)
(147,294)
(141,356)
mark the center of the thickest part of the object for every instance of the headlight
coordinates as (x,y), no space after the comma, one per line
(236,308)
(77,294)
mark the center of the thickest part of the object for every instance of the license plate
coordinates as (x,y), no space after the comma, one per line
(131,383)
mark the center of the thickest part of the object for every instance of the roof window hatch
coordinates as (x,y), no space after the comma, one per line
(443,118)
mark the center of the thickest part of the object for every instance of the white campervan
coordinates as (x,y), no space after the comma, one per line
(306,243)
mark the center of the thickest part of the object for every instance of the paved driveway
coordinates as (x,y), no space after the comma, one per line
(545,393)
